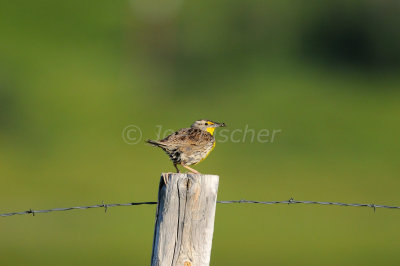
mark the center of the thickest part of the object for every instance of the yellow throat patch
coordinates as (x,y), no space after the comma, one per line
(211,130)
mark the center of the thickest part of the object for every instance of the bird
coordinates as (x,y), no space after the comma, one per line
(189,146)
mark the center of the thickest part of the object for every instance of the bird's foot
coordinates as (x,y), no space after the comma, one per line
(195,173)
(166,177)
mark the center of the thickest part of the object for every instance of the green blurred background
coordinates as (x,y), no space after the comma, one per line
(74,74)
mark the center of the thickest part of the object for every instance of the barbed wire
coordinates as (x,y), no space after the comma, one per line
(290,201)
(103,205)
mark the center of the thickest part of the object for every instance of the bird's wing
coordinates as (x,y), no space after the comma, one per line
(188,136)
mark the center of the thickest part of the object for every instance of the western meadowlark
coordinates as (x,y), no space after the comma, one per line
(189,146)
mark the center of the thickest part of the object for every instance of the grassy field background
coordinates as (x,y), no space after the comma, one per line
(74,74)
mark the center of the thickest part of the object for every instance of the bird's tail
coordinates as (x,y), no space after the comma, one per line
(154,143)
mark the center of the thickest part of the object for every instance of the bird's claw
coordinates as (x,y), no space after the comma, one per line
(165,178)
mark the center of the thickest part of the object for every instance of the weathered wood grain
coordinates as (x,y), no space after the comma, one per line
(185,220)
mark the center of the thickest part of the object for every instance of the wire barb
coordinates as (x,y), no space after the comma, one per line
(105,207)
(290,201)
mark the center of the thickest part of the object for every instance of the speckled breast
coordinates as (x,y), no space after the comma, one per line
(194,155)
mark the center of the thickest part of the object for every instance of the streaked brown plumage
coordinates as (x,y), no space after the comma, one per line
(189,146)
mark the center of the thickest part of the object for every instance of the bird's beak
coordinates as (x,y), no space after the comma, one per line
(219,125)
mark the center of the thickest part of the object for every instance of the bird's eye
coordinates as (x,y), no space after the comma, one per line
(206,124)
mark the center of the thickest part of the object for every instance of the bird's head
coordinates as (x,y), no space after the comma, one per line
(207,125)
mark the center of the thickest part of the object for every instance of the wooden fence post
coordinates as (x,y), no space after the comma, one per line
(184,220)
